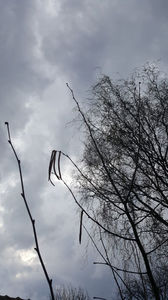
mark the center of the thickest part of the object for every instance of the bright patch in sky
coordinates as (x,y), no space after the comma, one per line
(1,224)
(21,275)
(18,143)
(28,257)
(52,7)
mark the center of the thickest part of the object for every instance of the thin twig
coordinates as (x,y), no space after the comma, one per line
(37,249)
(53,167)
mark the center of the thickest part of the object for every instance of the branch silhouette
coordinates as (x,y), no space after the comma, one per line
(37,249)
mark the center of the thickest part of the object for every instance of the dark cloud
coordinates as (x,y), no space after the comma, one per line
(107,34)
(42,46)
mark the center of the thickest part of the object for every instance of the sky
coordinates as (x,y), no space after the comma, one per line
(43,45)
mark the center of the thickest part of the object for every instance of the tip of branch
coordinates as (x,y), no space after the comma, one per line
(51,182)
(6,123)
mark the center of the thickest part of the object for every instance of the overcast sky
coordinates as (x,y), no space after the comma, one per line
(43,45)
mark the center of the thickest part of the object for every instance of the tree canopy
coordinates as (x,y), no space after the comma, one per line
(122,180)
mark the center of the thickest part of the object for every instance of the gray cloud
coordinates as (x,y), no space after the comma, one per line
(44,45)
(105,35)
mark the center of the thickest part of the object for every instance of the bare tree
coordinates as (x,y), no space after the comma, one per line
(71,293)
(139,292)
(122,178)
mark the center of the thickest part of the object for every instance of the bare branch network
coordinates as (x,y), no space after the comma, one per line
(122,180)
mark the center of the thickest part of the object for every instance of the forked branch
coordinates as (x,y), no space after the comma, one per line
(54,165)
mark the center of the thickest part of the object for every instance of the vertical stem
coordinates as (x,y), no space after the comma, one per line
(37,249)
(155,289)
